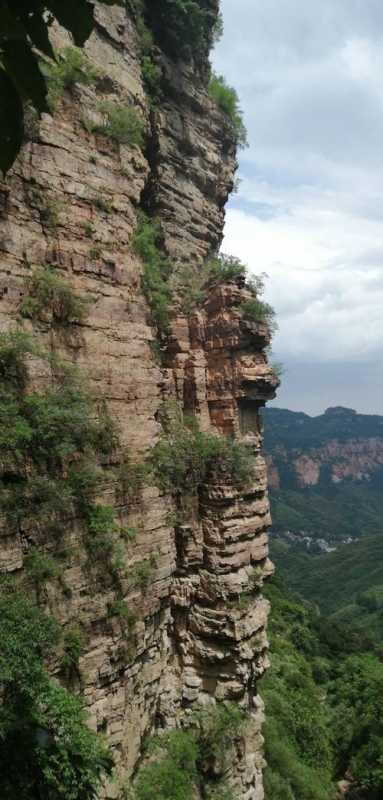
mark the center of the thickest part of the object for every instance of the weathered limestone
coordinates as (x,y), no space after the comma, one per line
(200,632)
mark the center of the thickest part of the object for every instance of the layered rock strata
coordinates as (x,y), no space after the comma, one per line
(193,641)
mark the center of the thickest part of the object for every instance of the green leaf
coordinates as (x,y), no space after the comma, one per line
(10,27)
(12,127)
(23,67)
(37,29)
(76,16)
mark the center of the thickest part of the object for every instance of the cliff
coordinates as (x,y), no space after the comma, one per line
(71,203)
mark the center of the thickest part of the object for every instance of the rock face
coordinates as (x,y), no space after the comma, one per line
(193,642)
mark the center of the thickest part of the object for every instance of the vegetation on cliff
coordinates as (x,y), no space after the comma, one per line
(196,757)
(227,100)
(46,747)
(181,27)
(185,457)
(49,439)
(146,242)
(50,297)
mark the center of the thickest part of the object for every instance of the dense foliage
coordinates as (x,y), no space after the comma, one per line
(183,760)
(324,716)
(257,310)
(47,750)
(227,100)
(146,242)
(185,456)
(50,297)
(183,28)
(49,439)
(348,583)
(24,32)
(70,68)
(120,123)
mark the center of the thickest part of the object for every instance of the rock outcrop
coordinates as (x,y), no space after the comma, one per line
(193,642)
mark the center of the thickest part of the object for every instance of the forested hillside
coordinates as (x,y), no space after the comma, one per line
(324,715)
(324,721)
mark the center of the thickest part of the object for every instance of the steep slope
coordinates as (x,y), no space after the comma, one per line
(163,628)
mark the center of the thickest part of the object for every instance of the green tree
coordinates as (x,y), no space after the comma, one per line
(24,36)
(47,751)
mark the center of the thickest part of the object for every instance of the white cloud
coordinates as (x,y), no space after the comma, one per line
(310,207)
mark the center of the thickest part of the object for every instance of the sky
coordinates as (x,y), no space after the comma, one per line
(309,209)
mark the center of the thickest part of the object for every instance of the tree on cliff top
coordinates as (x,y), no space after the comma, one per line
(24,34)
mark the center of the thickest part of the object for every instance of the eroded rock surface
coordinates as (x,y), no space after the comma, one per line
(200,633)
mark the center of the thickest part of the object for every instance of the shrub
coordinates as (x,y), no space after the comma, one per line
(15,348)
(151,75)
(218,728)
(220,792)
(227,101)
(188,287)
(102,530)
(72,67)
(191,286)
(278,369)
(142,573)
(52,753)
(121,123)
(146,243)
(88,229)
(50,297)
(129,534)
(173,774)
(95,252)
(179,762)
(41,567)
(103,204)
(223,268)
(50,210)
(74,641)
(185,457)
(131,479)
(120,609)
(183,28)
(101,520)
(49,439)
(258,311)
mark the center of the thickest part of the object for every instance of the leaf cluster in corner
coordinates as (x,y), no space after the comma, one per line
(24,33)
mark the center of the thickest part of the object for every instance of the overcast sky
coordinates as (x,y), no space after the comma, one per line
(309,211)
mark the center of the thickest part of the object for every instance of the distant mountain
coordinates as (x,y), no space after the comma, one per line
(325,473)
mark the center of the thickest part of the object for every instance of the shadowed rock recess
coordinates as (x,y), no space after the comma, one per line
(196,633)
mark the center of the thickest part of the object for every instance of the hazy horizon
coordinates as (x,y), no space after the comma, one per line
(310,204)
